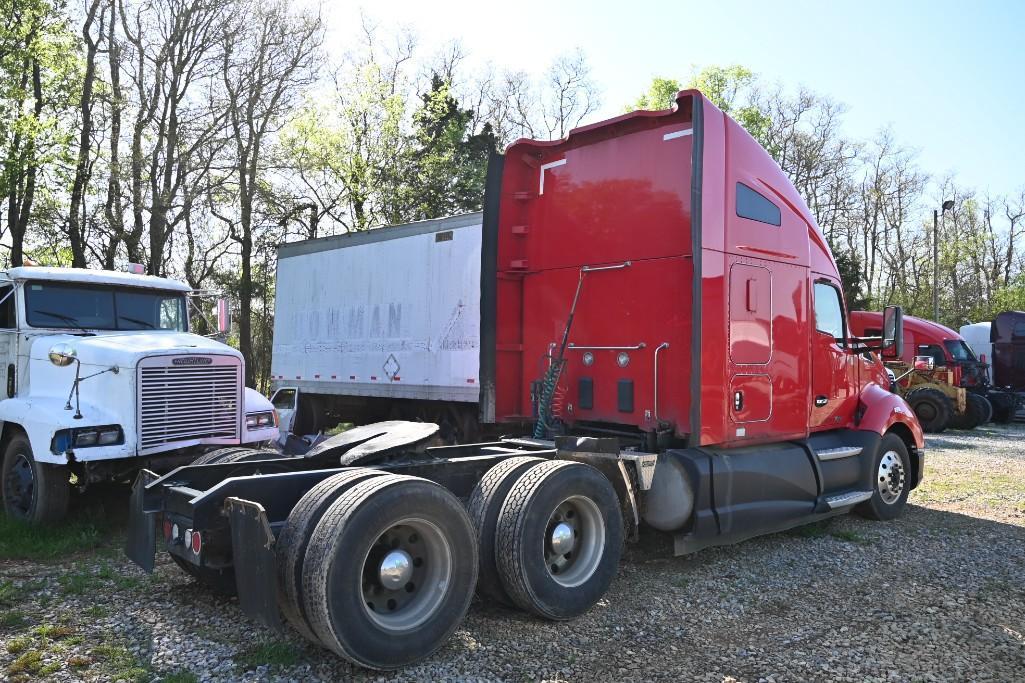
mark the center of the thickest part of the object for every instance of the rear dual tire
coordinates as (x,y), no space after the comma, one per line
(484,508)
(389,571)
(294,539)
(558,539)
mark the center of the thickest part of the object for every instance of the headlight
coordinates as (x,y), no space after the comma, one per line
(62,354)
(259,420)
(85,437)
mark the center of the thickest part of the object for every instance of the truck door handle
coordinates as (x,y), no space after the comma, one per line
(738,401)
(821,401)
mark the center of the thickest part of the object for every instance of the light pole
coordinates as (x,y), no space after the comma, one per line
(947,205)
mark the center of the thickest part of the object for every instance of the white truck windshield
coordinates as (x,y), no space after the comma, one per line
(63,305)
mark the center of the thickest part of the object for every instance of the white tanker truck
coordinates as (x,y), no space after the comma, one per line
(100,376)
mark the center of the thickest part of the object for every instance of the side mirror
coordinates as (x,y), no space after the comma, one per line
(893,332)
(223,316)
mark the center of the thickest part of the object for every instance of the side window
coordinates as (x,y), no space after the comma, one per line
(753,205)
(8,317)
(284,399)
(938,357)
(1019,330)
(828,311)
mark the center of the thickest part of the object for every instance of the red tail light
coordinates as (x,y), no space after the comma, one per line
(167,529)
(197,542)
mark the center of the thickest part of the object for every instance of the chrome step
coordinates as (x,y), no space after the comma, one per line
(847,499)
(837,453)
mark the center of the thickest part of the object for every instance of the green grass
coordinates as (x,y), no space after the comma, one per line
(29,662)
(12,619)
(850,537)
(981,487)
(96,611)
(273,653)
(18,645)
(20,541)
(120,664)
(54,631)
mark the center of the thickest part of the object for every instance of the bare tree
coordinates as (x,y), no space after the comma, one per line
(269,54)
(76,228)
(568,95)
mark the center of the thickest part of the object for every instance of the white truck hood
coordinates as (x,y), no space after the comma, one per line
(127,348)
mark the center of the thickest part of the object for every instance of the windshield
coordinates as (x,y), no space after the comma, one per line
(959,350)
(62,305)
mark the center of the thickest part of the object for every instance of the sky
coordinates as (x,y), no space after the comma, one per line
(947,77)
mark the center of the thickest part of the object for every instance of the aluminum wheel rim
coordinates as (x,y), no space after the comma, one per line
(19,488)
(570,565)
(890,477)
(410,604)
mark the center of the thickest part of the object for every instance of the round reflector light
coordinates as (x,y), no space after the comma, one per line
(197,542)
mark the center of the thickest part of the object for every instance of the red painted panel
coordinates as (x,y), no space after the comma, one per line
(750,330)
(611,193)
(752,400)
(644,304)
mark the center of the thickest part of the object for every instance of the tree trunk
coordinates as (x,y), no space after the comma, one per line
(76,234)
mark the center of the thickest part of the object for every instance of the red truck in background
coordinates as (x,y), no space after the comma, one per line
(948,350)
(657,300)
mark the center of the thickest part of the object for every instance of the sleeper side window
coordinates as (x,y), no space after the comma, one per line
(829,311)
(8,317)
(755,206)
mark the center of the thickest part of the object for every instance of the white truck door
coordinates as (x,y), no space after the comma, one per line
(286,401)
(8,341)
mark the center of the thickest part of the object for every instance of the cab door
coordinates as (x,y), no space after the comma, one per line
(834,393)
(8,342)
(286,403)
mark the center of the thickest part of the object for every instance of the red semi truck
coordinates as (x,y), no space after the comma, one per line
(656,296)
(947,349)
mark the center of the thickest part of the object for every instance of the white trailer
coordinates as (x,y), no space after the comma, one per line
(379,324)
(977,335)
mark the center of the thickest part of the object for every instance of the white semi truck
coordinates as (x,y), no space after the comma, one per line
(100,376)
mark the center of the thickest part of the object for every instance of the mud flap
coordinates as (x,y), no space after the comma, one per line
(252,549)
(140,545)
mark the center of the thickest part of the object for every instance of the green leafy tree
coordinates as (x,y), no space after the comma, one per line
(39,75)
(731,88)
(447,159)
(661,94)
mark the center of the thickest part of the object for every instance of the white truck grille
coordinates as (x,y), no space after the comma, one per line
(189,399)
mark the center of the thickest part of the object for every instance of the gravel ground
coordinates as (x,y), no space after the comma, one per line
(936,595)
